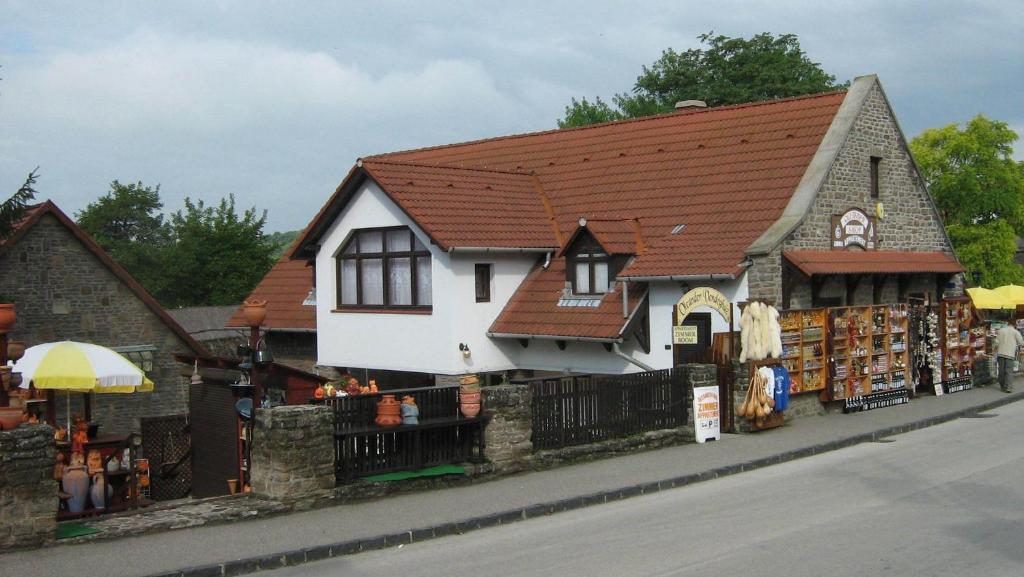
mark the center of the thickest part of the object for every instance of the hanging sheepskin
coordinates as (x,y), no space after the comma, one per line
(760,332)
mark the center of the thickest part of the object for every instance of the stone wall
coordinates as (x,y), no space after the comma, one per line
(293,452)
(911,223)
(62,291)
(28,493)
(508,435)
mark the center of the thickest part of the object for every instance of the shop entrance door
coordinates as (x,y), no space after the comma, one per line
(700,351)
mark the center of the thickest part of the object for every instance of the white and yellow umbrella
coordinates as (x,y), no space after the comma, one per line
(82,367)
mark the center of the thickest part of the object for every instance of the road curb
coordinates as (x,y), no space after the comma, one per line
(340,549)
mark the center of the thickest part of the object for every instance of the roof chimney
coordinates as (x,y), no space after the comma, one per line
(690,104)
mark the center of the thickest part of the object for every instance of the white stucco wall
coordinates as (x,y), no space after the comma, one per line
(414,342)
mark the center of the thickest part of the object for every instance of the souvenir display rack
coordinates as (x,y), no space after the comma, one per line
(804,349)
(956,344)
(870,352)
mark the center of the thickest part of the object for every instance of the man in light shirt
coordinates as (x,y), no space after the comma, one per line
(1008,340)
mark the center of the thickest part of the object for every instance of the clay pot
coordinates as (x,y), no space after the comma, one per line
(469,410)
(470,397)
(7,317)
(76,483)
(15,350)
(254,311)
(389,412)
(469,380)
(9,418)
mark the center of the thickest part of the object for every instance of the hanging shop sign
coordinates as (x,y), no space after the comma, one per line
(706,414)
(684,335)
(854,228)
(703,296)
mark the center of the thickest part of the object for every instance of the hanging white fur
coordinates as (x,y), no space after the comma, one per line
(766,333)
(755,332)
(745,330)
(776,332)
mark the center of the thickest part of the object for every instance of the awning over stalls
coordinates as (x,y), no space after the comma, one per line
(820,262)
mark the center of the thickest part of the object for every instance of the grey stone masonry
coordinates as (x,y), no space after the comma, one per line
(910,222)
(61,291)
(293,452)
(508,434)
(28,493)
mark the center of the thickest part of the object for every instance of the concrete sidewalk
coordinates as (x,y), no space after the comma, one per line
(267,543)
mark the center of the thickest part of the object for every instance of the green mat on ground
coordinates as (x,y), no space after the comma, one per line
(69,530)
(428,472)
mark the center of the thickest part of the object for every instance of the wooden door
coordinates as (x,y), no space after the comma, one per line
(700,352)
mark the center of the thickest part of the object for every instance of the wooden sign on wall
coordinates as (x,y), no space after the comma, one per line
(854,228)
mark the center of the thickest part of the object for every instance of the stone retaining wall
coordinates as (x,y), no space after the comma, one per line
(293,452)
(508,435)
(28,493)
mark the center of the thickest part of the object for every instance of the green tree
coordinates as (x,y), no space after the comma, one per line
(979,191)
(281,241)
(128,224)
(726,71)
(217,256)
(13,209)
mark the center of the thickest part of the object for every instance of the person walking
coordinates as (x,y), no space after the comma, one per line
(1008,340)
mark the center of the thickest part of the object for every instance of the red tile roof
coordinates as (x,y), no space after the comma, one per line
(812,262)
(284,288)
(616,236)
(534,309)
(459,207)
(726,173)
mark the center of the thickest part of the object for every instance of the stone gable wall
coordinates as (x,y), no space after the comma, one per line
(910,222)
(62,291)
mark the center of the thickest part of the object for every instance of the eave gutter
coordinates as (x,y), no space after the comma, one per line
(553,338)
(678,277)
(499,249)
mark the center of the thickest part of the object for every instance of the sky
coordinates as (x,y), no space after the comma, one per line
(274,101)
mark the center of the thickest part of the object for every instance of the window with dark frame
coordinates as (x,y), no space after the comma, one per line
(875,161)
(590,270)
(483,283)
(384,268)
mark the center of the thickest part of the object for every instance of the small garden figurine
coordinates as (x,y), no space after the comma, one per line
(410,412)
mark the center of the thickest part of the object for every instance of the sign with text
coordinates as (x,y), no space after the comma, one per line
(703,296)
(686,335)
(706,414)
(854,228)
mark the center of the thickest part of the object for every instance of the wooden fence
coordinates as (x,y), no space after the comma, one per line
(443,435)
(576,410)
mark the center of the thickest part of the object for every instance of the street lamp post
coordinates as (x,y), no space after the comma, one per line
(255,312)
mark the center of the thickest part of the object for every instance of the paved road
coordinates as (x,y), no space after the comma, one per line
(946,500)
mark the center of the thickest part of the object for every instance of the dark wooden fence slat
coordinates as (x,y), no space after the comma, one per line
(589,408)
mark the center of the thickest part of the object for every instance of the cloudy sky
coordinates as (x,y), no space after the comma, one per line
(274,101)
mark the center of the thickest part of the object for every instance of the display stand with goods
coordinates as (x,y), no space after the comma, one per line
(871,355)
(955,318)
(759,404)
(804,349)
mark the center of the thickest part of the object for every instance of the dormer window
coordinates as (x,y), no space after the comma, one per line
(384,268)
(590,265)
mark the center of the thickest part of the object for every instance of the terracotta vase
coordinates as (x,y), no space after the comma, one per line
(15,350)
(470,397)
(470,379)
(389,411)
(469,410)
(7,317)
(254,311)
(9,418)
(76,483)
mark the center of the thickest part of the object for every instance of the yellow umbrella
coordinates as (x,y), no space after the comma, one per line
(82,367)
(1011,293)
(983,298)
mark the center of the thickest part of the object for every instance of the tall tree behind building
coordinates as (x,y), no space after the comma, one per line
(726,71)
(979,190)
(201,255)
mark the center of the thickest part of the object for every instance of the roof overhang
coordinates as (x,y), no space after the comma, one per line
(822,262)
(553,338)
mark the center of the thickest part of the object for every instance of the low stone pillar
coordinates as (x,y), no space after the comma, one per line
(508,435)
(28,492)
(293,452)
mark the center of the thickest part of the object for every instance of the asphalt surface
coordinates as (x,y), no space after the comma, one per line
(297,538)
(938,501)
